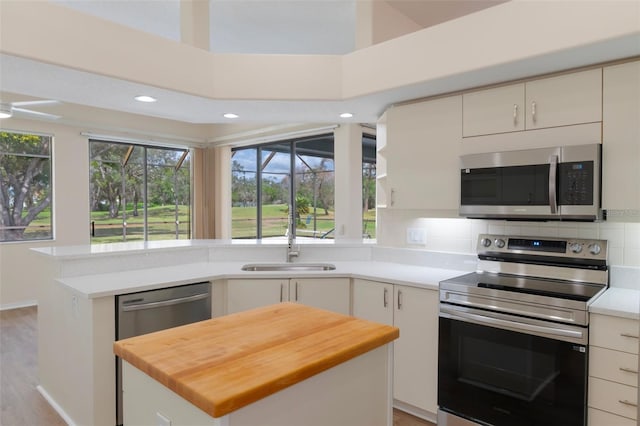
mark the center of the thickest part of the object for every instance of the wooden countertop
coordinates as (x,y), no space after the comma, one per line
(226,363)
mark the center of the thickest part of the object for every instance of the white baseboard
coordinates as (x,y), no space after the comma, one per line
(55,406)
(23,304)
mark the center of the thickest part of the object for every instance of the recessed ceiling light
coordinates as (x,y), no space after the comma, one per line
(230,115)
(346,115)
(145,98)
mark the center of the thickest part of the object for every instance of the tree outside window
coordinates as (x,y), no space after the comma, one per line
(139,192)
(263,189)
(25,187)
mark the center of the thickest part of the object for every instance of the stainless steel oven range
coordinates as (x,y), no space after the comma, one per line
(513,336)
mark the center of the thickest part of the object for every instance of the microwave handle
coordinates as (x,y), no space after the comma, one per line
(553,169)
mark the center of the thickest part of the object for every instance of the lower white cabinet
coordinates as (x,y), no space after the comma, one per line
(332,294)
(613,370)
(415,312)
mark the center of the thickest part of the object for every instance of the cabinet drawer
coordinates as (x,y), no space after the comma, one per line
(616,333)
(620,367)
(602,418)
(613,397)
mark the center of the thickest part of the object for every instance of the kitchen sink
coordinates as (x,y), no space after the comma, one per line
(288,267)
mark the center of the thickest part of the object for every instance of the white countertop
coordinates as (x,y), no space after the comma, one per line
(621,299)
(619,302)
(110,284)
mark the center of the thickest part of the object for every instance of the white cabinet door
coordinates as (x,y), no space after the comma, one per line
(621,137)
(332,294)
(564,100)
(415,312)
(492,111)
(422,149)
(373,301)
(416,351)
(252,293)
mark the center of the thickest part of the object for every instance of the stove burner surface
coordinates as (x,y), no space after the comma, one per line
(529,285)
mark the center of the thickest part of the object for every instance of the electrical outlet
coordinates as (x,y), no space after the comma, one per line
(162,420)
(416,236)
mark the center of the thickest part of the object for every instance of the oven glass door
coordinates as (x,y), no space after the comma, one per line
(506,378)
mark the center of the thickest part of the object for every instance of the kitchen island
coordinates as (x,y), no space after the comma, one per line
(284,364)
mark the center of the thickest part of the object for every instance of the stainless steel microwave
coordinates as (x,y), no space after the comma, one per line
(561,183)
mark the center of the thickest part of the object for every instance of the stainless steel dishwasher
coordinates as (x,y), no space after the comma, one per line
(154,310)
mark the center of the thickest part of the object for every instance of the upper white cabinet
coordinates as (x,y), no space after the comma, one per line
(621,137)
(564,100)
(568,99)
(498,110)
(332,294)
(421,155)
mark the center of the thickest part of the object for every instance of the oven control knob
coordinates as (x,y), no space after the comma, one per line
(594,249)
(499,243)
(576,247)
(486,242)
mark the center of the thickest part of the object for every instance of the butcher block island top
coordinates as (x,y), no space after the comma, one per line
(226,363)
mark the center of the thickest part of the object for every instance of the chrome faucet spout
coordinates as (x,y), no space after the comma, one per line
(292,248)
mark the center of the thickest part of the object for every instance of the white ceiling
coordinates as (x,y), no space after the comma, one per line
(318,27)
(250,26)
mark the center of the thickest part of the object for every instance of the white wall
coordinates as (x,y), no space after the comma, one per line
(18,279)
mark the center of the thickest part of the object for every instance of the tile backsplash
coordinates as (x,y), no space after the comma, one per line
(460,235)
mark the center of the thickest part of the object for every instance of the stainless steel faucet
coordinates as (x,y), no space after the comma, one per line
(292,249)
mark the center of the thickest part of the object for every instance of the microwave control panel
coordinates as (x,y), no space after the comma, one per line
(575,183)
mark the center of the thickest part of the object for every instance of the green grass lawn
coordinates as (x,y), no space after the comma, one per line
(161,222)
(274,222)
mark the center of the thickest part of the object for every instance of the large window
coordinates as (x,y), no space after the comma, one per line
(263,189)
(25,187)
(139,192)
(368,186)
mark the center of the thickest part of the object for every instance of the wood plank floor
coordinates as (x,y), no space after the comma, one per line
(20,402)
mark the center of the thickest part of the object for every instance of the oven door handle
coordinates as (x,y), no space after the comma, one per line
(511,324)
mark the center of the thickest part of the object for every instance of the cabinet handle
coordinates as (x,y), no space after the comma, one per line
(281,291)
(533,111)
(386,297)
(628,370)
(399,300)
(628,335)
(625,402)
(296,291)
(392,197)
(515,114)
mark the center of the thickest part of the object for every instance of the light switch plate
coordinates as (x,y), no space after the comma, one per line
(416,236)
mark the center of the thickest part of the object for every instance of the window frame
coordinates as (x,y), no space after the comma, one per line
(50,189)
(259,175)
(145,147)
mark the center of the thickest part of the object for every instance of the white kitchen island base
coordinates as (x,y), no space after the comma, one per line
(354,393)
